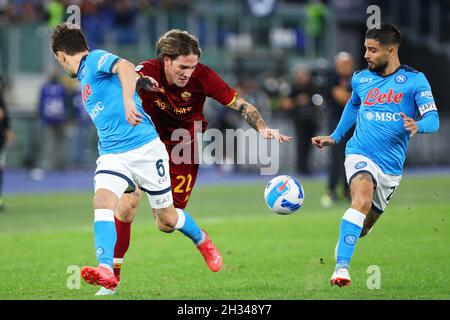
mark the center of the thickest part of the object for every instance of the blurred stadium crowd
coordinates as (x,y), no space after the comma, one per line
(279,54)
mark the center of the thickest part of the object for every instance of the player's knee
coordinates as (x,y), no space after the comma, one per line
(104,200)
(125,214)
(126,210)
(166,219)
(362,204)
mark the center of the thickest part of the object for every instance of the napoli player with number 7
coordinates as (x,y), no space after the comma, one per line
(390,103)
(131,153)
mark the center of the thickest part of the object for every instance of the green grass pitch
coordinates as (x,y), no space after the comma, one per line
(266,256)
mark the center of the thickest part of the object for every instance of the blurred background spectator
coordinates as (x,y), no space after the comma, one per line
(340,90)
(53,115)
(304,115)
(6,138)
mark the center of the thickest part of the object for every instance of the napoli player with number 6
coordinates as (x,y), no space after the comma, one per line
(390,103)
(131,152)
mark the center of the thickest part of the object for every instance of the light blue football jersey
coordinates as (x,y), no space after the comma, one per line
(101,92)
(380,134)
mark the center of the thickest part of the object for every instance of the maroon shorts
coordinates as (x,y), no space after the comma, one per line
(183,177)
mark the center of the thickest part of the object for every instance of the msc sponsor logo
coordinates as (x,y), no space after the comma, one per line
(374,96)
(427,107)
(102,60)
(138,67)
(382,116)
(401,78)
(96,110)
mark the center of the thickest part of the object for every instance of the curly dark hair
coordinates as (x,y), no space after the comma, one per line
(385,34)
(69,39)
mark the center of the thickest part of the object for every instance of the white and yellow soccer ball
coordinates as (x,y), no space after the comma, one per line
(284,194)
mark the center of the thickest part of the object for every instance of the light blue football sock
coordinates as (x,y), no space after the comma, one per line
(105,236)
(188,227)
(351,227)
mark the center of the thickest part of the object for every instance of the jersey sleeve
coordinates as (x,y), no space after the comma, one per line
(103,61)
(423,96)
(215,87)
(355,100)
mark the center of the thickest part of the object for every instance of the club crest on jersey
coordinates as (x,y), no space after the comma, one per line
(376,97)
(186,96)
(401,78)
(361,165)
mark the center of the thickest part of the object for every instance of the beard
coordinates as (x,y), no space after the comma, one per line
(379,68)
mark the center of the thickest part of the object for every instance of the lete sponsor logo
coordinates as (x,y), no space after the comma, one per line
(87,91)
(374,96)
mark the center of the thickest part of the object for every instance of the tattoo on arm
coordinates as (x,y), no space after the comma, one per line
(249,113)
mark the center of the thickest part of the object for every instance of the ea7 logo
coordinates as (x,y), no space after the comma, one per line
(365,80)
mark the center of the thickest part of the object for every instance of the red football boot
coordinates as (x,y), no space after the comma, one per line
(100,275)
(211,255)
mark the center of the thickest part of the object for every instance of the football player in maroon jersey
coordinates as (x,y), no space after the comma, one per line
(174,87)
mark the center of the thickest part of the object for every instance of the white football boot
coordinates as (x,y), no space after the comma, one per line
(106,292)
(341,278)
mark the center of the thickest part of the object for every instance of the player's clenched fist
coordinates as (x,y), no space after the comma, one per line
(322,141)
(131,113)
(410,124)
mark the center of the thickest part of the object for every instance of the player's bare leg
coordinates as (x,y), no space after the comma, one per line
(361,188)
(369,222)
(170,219)
(105,201)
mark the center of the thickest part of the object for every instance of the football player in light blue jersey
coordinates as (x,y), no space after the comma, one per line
(390,103)
(130,151)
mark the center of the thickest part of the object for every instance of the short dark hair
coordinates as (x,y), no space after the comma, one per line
(176,43)
(385,34)
(69,39)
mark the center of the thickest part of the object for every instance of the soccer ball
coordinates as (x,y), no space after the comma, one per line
(284,194)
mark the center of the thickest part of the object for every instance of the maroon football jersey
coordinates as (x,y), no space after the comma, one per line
(176,107)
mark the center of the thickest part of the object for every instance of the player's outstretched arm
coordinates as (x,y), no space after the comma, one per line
(256,121)
(127,77)
(322,141)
